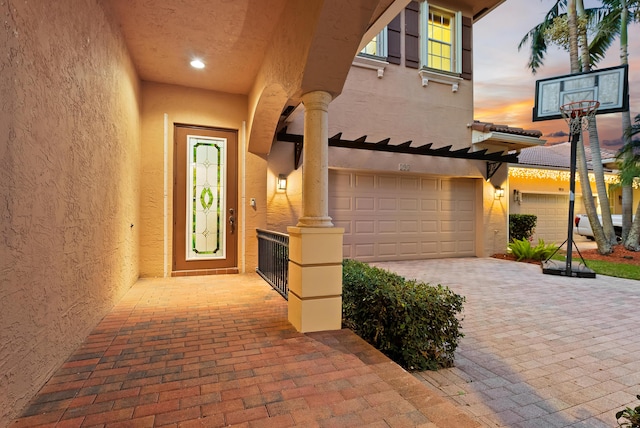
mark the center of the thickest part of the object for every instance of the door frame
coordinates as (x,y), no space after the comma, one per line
(179,265)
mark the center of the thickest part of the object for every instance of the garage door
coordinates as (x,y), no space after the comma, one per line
(552,212)
(402,217)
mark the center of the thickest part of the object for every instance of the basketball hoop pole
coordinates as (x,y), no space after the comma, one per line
(577,114)
(575,137)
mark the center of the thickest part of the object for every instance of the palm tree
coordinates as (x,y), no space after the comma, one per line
(596,157)
(538,39)
(602,235)
(615,22)
(629,159)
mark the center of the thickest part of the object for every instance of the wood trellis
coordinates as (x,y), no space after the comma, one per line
(494,159)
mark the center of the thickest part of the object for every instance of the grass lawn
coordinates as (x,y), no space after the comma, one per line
(620,270)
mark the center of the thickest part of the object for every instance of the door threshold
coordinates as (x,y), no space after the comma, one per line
(195,272)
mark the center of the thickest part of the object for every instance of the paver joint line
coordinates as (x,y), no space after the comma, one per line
(196,350)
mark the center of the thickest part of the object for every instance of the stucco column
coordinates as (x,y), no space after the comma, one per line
(315,246)
(315,173)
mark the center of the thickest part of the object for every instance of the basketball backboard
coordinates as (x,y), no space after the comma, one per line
(609,86)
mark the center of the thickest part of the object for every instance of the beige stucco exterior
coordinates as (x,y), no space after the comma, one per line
(194,107)
(399,107)
(70,155)
(86,147)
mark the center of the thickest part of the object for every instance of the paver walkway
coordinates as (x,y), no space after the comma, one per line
(218,351)
(539,350)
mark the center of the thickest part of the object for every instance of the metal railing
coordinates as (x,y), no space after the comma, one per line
(273,260)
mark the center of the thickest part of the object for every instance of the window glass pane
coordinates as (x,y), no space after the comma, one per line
(440,49)
(371,48)
(446,36)
(377,46)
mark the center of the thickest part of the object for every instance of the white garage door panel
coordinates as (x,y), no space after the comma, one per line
(551,212)
(393,217)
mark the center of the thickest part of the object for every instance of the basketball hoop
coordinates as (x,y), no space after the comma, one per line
(578,114)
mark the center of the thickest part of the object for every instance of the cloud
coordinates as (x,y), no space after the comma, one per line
(503,86)
(612,143)
(557,134)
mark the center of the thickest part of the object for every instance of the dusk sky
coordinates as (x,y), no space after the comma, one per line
(504,87)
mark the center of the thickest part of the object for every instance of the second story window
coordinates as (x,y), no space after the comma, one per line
(377,47)
(440,41)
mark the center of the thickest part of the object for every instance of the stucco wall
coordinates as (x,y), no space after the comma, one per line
(493,235)
(193,107)
(399,107)
(283,208)
(616,200)
(395,106)
(69,180)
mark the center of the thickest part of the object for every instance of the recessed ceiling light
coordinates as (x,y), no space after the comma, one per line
(196,63)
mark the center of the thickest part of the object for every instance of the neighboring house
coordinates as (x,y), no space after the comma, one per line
(120,161)
(540,185)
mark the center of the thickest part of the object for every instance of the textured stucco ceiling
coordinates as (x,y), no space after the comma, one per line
(230,36)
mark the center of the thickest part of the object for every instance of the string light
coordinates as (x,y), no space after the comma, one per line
(555,174)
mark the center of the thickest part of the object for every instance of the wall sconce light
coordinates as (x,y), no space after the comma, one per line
(517,196)
(499,192)
(281,185)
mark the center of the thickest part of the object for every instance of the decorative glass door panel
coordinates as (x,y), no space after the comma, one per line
(206,210)
(205,197)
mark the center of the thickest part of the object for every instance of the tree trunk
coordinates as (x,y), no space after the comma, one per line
(572,18)
(627,190)
(601,186)
(581,162)
(604,245)
(634,234)
(594,140)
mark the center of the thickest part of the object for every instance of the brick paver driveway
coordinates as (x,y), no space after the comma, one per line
(539,350)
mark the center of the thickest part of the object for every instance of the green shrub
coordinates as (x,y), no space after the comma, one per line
(521,226)
(411,322)
(522,249)
(632,416)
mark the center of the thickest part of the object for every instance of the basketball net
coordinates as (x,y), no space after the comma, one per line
(578,114)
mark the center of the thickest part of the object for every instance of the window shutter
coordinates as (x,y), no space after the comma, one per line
(467,58)
(412,35)
(393,41)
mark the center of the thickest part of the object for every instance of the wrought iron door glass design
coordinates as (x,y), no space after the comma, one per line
(206,219)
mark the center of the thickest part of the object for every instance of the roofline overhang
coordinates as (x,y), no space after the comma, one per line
(486,11)
(507,140)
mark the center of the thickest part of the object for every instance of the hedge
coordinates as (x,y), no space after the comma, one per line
(521,226)
(413,323)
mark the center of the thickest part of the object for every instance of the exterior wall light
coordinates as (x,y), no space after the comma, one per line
(499,192)
(281,185)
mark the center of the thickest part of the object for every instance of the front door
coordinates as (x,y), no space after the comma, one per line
(205,209)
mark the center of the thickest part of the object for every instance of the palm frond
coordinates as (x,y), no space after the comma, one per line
(607,30)
(536,37)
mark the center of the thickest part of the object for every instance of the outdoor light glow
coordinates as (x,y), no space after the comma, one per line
(554,174)
(196,63)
